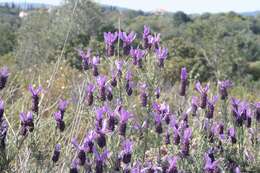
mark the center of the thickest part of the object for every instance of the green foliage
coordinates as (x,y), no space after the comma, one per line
(9,22)
(254,69)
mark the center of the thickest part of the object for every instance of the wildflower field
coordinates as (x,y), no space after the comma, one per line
(117,114)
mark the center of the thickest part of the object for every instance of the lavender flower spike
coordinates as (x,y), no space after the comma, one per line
(194,105)
(223,86)
(110,39)
(127,151)
(211,107)
(74,167)
(158,123)
(100,160)
(161,54)
(232,135)
(1,110)
(89,141)
(95,63)
(186,141)
(154,41)
(99,117)
(85,57)
(144,95)
(157,93)
(128,85)
(137,55)
(183,81)
(89,94)
(62,106)
(146,33)
(59,121)
(119,65)
(56,154)
(81,155)
(203,94)
(124,117)
(173,165)
(127,41)
(210,165)
(101,81)
(35,98)
(26,123)
(4,74)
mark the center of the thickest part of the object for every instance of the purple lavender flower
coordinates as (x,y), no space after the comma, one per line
(167,138)
(161,54)
(211,107)
(157,93)
(110,40)
(137,55)
(74,167)
(235,103)
(101,81)
(248,118)
(112,120)
(127,41)
(113,81)
(186,141)
(240,113)
(146,33)
(89,94)
(109,93)
(126,153)
(100,160)
(220,129)
(26,123)
(212,132)
(154,41)
(101,135)
(99,116)
(257,111)
(35,98)
(119,66)
(56,153)
(95,63)
(85,57)
(172,165)
(4,74)
(60,124)
(124,116)
(3,133)
(194,105)
(158,123)
(211,166)
(176,134)
(203,94)
(81,149)
(144,95)
(62,106)
(232,135)
(223,86)
(184,81)
(89,141)
(129,84)
(1,110)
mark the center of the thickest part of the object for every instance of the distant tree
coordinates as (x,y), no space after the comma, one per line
(180,18)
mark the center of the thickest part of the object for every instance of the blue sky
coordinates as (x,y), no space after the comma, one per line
(188,6)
